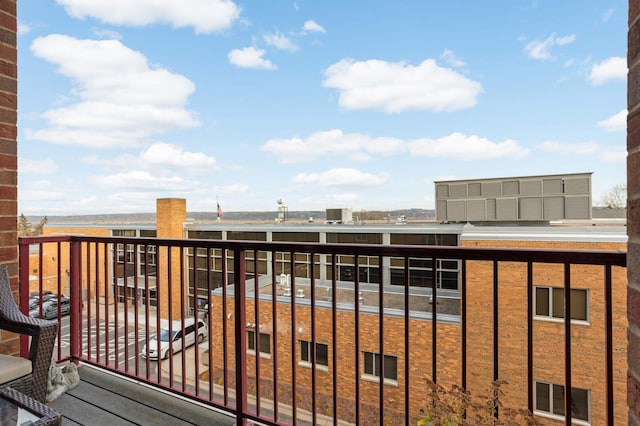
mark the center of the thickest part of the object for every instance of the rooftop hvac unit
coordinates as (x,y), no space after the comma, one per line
(344,216)
(285,282)
(300,293)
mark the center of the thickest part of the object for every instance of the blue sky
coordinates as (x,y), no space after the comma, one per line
(352,104)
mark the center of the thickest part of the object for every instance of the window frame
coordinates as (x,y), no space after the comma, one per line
(550,315)
(447,272)
(374,375)
(309,355)
(251,343)
(559,414)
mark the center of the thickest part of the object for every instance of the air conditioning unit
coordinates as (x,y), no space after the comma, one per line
(300,293)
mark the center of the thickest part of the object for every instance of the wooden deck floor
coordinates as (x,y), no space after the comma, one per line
(104,399)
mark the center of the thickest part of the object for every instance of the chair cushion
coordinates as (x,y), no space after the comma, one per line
(13,367)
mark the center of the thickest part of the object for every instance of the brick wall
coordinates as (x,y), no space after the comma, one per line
(8,153)
(588,342)
(633,210)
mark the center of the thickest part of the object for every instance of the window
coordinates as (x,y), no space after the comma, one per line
(368,268)
(549,302)
(147,260)
(550,400)
(306,353)
(420,272)
(352,238)
(265,342)
(372,366)
(123,232)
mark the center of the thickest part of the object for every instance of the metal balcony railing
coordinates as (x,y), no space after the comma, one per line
(291,338)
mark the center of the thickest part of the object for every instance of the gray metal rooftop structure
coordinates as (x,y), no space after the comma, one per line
(541,198)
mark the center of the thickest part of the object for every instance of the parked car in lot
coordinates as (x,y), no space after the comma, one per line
(35,298)
(36,294)
(50,308)
(173,341)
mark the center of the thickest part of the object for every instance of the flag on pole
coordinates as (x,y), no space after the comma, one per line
(220,212)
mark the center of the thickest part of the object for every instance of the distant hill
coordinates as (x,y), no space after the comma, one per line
(251,216)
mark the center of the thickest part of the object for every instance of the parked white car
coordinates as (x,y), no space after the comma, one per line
(173,341)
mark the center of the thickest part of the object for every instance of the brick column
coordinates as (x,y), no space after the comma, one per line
(171,213)
(633,211)
(8,152)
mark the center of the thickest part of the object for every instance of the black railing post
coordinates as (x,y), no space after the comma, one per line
(463,320)
(434,320)
(407,360)
(609,338)
(530,336)
(239,294)
(496,330)
(567,343)
(334,333)
(274,318)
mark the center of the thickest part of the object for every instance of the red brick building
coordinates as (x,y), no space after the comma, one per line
(268,337)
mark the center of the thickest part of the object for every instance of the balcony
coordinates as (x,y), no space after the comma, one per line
(292,337)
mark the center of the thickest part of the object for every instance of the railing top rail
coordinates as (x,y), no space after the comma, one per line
(44,239)
(510,254)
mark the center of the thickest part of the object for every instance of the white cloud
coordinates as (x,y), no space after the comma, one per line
(615,123)
(605,154)
(137,180)
(579,148)
(204,16)
(280,41)
(467,148)
(313,27)
(163,155)
(607,15)
(120,99)
(541,49)
(614,68)
(353,146)
(321,201)
(42,190)
(360,147)
(37,167)
(23,28)
(233,189)
(615,157)
(341,177)
(163,158)
(397,87)
(107,34)
(449,57)
(250,57)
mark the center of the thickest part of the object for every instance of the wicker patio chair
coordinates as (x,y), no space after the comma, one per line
(28,376)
